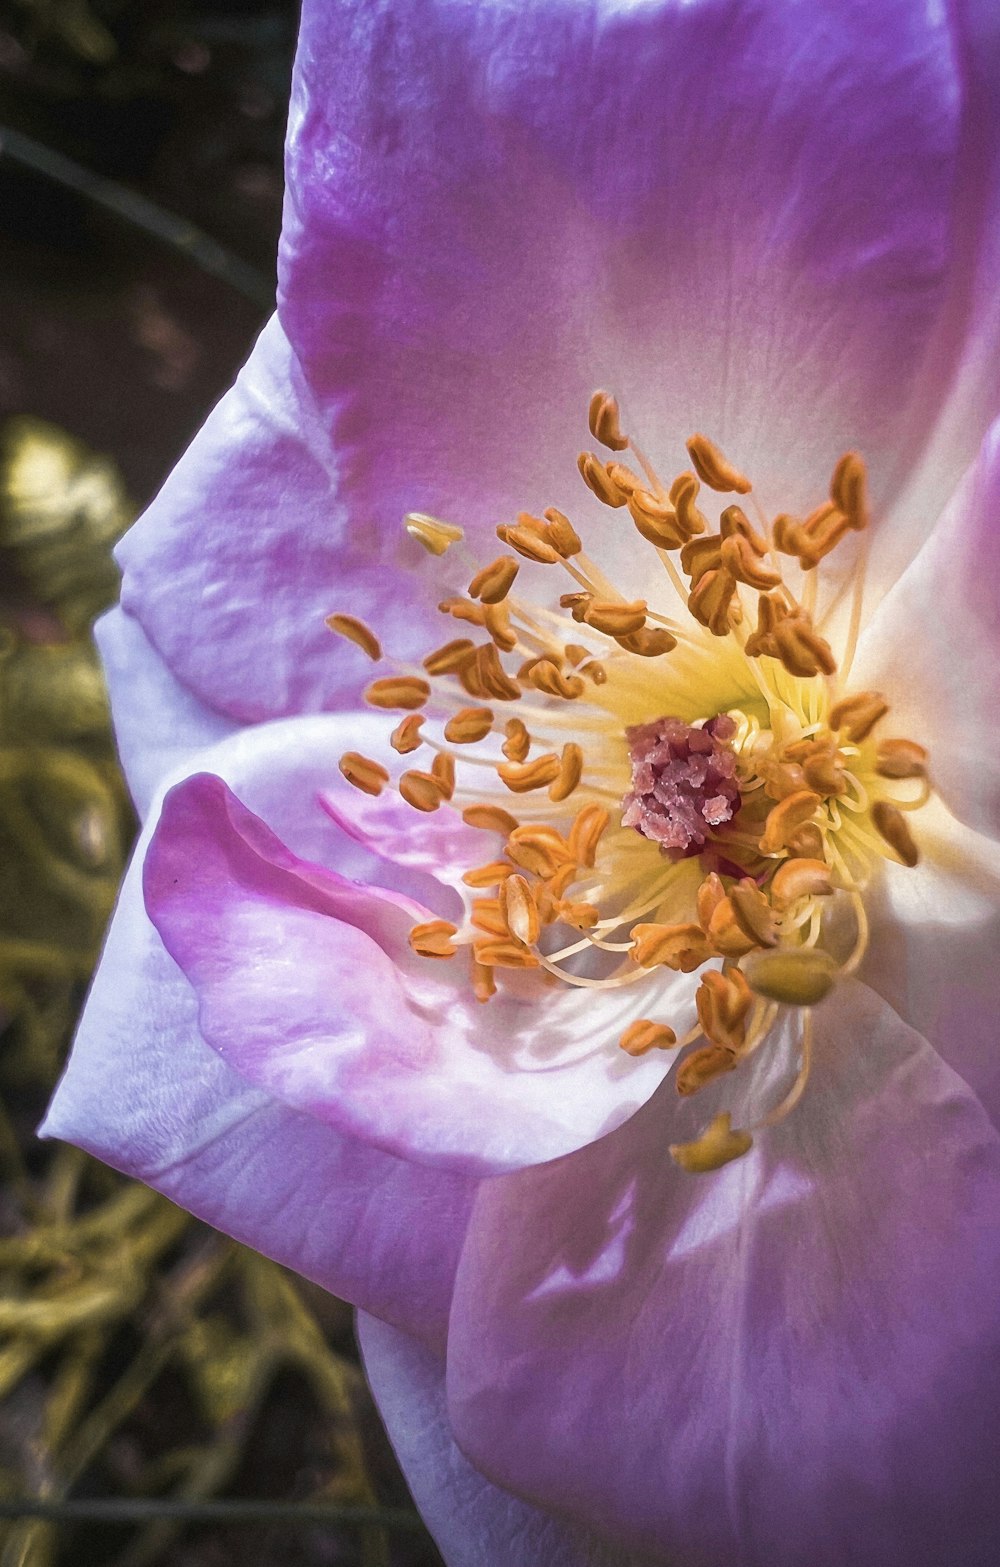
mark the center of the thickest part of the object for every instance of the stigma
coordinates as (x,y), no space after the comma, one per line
(686,780)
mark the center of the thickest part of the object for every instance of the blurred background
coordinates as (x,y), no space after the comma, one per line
(167,1399)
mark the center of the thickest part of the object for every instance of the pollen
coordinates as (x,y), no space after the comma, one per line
(679,778)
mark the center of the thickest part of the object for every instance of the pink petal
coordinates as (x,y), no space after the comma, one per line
(795,1360)
(474,1523)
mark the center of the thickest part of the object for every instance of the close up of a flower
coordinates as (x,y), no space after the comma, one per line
(561,687)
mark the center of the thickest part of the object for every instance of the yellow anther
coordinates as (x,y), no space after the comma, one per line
(398,691)
(463,609)
(494,581)
(680,947)
(656,520)
(518,742)
(518,907)
(570,773)
(444,660)
(782,779)
(799,977)
(487,916)
(483,983)
(718,1144)
(503,954)
(701,555)
(596,477)
(528,544)
(496,619)
(683,493)
(545,675)
(435,536)
(541,850)
(490,875)
(564,877)
(644,1035)
(421,790)
(806,842)
(742,562)
(561,533)
(799,878)
(770,612)
(714,468)
(703,1066)
(576,603)
(900,759)
(585,834)
(582,916)
(849,489)
(521,778)
(624,477)
(823,768)
(489,818)
(788,815)
(489,675)
(710,895)
(406,735)
(722,1002)
(892,826)
(734,521)
(753,913)
(613,618)
(469,725)
(710,599)
(595,672)
(801,649)
(650,642)
(604,420)
(368,776)
(726,934)
(433,940)
(443,770)
(357,632)
(858,715)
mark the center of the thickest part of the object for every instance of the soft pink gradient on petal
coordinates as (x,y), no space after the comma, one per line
(793,1361)
(933,647)
(440,845)
(474,1523)
(307,985)
(145,1093)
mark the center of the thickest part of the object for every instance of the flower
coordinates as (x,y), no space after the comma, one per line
(753,1320)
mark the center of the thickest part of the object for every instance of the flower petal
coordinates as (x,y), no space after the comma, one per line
(474,1523)
(794,1360)
(157,722)
(949,596)
(144,1093)
(489,212)
(307,986)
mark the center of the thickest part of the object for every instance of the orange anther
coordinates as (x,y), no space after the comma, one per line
(644,1035)
(604,420)
(489,818)
(570,773)
(368,776)
(494,581)
(681,947)
(788,815)
(703,1066)
(398,691)
(406,735)
(714,468)
(722,1002)
(596,477)
(450,657)
(469,725)
(858,715)
(421,790)
(615,619)
(900,759)
(800,878)
(519,910)
(710,599)
(433,939)
(891,824)
(357,632)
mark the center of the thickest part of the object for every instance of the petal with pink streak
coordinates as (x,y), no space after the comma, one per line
(307,986)
(145,1093)
(794,1360)
(491,210)
(933,647)
(474,1523)
(441,845)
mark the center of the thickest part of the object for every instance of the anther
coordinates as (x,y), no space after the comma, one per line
(733,521)
(710,894)
(722,1002)
(858,715)
(753,913)
(490,875)
(655,520)
(518,907)
(680,947)
(546,676)
(585,834)
(469,725)
(445,660)
(528,544)
(495,581)
(541,850)
(596,477)
(718,1144)
(489,818)
(561,533)
(398,691)
(522,778)
(614,619)
(576,603)
(368,776)
(891,824)
(900,759)
(503,954)
(650,642)
(823,770)
(798,977)
(792,812)
(491,675)
(703,1066)
(701,555)
(849,489)
(435,536)
(487,916)
(433,939)
(357,632)
(496,619)
(801,649)
(799,878)
(603,418)
(406,735)
(518,742)
(421,790)
(726,935)
(744,564)
(644,1035)
(570,773)
(714,468)
(443,770)
(683,493)
(484,984)
(710,598)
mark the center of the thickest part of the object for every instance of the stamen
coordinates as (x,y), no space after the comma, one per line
(519,909)
(398,691)
(800,878)
(406,735)
(469,725)
(489,818)
(703,1066)
(435,536)
(570,773)
(518,742)
(900,759)
(357,632)
(495,581)
(892,825)
(433,940)
(858,715)
(714,468)
(799,977)
(421,790)
(717,1145)
(521,778)
(642,1036)
(603,417)
(368,776)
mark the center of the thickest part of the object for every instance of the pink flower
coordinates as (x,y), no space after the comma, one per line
(777,223)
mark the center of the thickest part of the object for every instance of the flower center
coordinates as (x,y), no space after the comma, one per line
(689,783)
